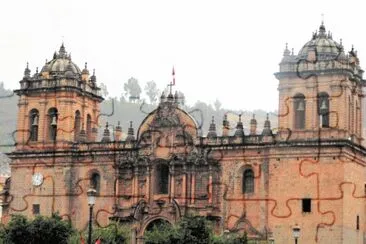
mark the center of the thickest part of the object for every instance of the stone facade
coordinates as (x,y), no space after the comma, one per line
(310,173)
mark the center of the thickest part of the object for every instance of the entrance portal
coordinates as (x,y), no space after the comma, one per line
(156,223)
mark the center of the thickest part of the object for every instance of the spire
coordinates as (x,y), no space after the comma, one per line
(212,130)
(286,52)
(106,134)
(322,32)
(267,127)
(162,97)
(253,126)
(173,74)
(225,126)
(62,51)
(118,132)
(239,128)
(130,133)
(27,71)
(93,78)
(85,70)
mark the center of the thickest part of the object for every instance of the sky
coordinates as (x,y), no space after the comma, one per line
(225,50)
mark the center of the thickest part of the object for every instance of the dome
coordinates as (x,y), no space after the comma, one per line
(323,44)
(61,63)
(167,116)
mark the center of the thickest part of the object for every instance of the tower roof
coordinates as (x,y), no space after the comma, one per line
(323,44)
(61,63)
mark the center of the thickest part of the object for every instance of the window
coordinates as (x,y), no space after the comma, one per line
(299,111)
(36,209)
(95,181)
(33,125)
(358,222)
(77,125)
(323,110)
(306,205)
(52,124)
(248,181)
(162,179)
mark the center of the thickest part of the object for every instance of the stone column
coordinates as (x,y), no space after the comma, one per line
(193,184)
(148,181)
(184,185)
(135,190)
(210,188)
(171,192)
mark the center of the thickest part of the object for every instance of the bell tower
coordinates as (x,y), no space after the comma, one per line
(320,90)
(58,105)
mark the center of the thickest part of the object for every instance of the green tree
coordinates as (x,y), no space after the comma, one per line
(17,231)
(41,230)
(188,230)
(104,90)
(132,89)
(152,91)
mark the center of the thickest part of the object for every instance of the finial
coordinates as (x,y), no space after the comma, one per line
(106,125)
(118,123)
(46,61)
(292,51)
(340,42)
(239,117)
(86,65)
(286,52)
(212,130)
(267,117)
(37,70)
(322,19)
(94,72)
(130,124)
(27,65)
(253,115)
(173,74)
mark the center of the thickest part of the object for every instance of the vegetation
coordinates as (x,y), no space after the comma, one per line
(112,234)
(190,230)
(41,230)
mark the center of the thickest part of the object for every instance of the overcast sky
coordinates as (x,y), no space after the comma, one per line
(227,50)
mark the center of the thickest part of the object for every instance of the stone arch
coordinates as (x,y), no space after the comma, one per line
(154,221)
(94,177)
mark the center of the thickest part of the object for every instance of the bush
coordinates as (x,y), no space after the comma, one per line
(112,234)
(41,230)
(188,230)
(191,230)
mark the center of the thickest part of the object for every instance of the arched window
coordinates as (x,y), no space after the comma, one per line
(323,109)
(162,179)
(33,124)
(52,124)
(88,127)
(77,125)
(248,181)
(95,181)
(299,111)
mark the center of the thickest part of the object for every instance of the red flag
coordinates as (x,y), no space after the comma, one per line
(173,74)
(98,241)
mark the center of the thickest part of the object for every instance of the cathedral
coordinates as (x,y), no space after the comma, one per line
(308,176)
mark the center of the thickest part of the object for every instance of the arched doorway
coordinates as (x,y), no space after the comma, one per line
(156,223)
